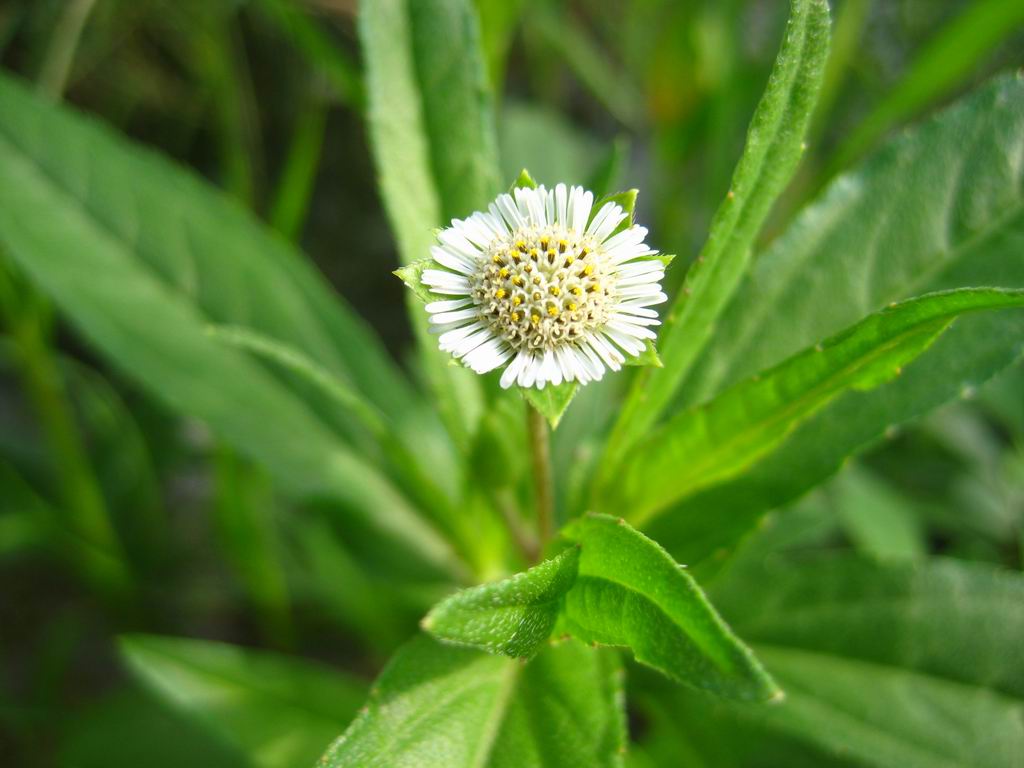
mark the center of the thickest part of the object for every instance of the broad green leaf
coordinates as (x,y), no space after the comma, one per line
(877,519)
(438,705)
(702,446)
(939,208)
(514,616)
(773,149)
(292,359)
(277,710)
(61,229)
(630,592)
(891,665)
(944,63)
(430,121)
(191,240)
(421,484)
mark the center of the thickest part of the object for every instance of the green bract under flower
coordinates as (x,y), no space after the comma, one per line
(545,289)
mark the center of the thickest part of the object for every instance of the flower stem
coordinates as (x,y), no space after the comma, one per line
(540,452)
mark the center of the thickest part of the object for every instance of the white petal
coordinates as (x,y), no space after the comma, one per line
(447,306)
(629,329)
(470,343)
(531,205)
(511,372)
(634,310)
(440,281)
(552,371)
(637,268)
(637,291)
(456,242)
(590,359)
(510,212)
(644,301)
(631,345)
(607,219)
(449,340)
(531,368)
(488,356)
(446,258)
(454,317)
(580,203)
(651,278)
(626,318)
(609,354)
(561,204)
(474,230)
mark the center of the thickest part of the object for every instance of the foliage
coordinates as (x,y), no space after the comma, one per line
(200,436)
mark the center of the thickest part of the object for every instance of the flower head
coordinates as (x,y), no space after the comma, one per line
(540,285)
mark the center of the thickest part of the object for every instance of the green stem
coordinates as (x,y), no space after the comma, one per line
(44,386)
(540,452)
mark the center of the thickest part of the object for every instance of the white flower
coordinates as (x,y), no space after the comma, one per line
(539,286)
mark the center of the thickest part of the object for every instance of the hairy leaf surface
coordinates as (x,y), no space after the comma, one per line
(702,446)
(94,237)
(514,616)
(440,705)
(888,665)
(939,208)
(773,149)
(630,592)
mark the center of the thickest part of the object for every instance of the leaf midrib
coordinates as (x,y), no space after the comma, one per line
(937,264)
(63,190)
(751,432)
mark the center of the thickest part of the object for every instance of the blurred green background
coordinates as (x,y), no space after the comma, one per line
(264,98)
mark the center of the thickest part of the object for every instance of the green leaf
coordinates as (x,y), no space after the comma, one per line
(939,208)
(514,616)
(412,276)
(773,149)
(945,62)
(551,401)
(431,167)
(524,179)
(295,361)
(439,705)
(278,710)
(87,219)
(942,207)
(876,517)
(193,241)
(123,729)
(702,446)
(545,141)
(630,592)
(891,665)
